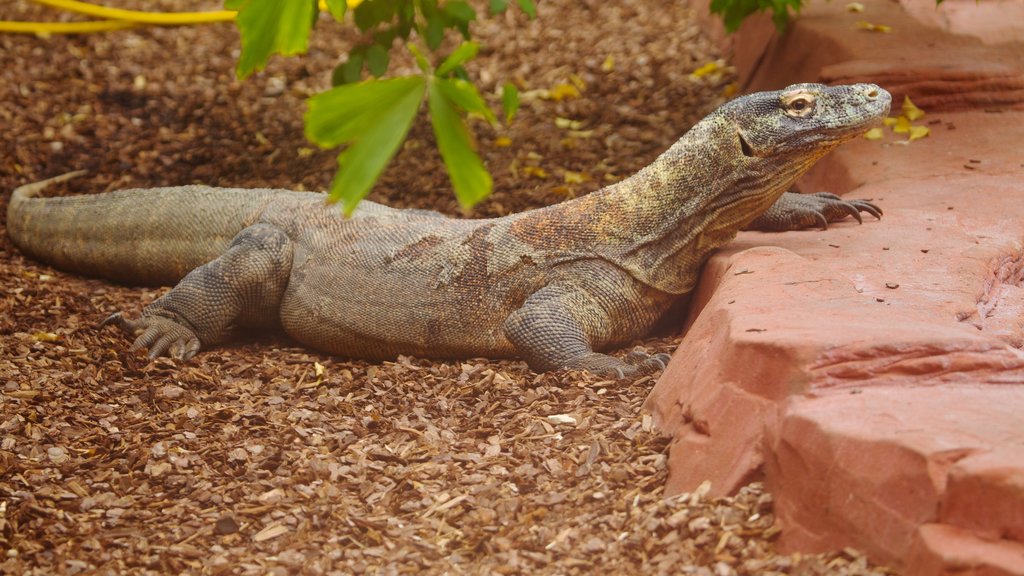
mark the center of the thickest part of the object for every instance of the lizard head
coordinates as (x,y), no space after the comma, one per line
(805,120)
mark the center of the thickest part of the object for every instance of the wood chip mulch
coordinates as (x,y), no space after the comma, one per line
(261,457)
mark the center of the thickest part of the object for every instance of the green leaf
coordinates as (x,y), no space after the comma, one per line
(460,11)
(421,60)
(377,60)
(497,6)
(734,12)
(434,34)
(509,101)
(337,9)
(529,7)
(465,96)
(470,179)
(373,118)
(270,27)
(372,12)
(466,51)
(349,71)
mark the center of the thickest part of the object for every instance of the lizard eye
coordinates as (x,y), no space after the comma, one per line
(799,104)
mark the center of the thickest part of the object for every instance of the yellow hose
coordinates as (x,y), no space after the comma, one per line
(45,28)
(117,18)
(140,17)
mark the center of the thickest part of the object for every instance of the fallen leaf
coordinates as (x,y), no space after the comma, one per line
(902,125)
(911,111)
(874,134)
(502,142)
(868,26)
(709,68)
(45,337)
(854,7)
(609,63)
(535,171)
(917,132)
(568,123)
(575,177)
(563,92)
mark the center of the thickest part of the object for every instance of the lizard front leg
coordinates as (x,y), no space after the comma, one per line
(793,211)
(243,286)
(554,329)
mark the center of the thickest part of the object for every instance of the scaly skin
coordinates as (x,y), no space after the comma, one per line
(553,286)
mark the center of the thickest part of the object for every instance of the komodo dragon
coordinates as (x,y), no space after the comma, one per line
(551,285)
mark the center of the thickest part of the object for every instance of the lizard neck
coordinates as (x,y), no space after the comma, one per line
(663,222)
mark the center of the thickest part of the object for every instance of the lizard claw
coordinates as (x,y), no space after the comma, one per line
(834,208)
(646,363)
(162,336)
(798,211)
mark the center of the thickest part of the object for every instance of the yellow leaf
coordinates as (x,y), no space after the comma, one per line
(535,171)
(902,125)
(730,90)
(911,111)
(562,92)
(304,152)
(562,190)
(854,7)
(884,29)
(575,177)
(709,68)
(502,141)
(353,4)
(874,134)
(889,121)
(609,63)
(318,369)
(567,123)
(578,82)
(917,132)
(45,337)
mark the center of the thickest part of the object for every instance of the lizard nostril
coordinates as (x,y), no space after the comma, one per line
(871,93)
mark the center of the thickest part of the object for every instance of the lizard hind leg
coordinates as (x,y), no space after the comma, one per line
(243,286)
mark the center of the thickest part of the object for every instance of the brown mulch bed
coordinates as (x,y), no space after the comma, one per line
(263,457)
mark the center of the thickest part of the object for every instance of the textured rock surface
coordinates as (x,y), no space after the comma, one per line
(873,375)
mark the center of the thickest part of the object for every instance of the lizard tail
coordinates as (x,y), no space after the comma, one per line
(153,236)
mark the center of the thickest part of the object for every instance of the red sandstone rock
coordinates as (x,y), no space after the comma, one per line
(873,374)
(947,551)
(938,70)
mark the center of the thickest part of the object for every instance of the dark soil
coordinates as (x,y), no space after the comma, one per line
(263,457)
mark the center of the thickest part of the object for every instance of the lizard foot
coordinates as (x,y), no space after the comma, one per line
(799,211)
(162,336)
(827,207)
(647,363)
